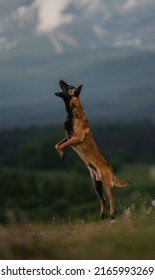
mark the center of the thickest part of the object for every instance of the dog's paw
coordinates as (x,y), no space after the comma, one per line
(60,151)
(62,154)
(57,147)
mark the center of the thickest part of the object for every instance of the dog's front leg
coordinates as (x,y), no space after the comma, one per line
(72,141)
(59,150)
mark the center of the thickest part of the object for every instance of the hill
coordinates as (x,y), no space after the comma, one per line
(118,85)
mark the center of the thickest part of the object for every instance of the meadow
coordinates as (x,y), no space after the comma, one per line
(81,235)
(127,238)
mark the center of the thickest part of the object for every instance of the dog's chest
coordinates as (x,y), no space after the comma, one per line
(69,127)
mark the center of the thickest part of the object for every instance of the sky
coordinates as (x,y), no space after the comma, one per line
(37,37)
(118,22)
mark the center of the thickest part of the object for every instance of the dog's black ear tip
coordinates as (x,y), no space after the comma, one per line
(78,90)
(60,82)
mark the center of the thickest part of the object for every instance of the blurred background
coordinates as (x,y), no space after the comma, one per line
(109,47)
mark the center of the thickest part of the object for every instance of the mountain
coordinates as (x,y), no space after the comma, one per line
(119,85)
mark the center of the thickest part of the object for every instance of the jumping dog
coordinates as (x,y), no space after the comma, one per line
(79,137)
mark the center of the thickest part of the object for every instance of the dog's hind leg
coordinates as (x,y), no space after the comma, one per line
(108,189)
(99,190)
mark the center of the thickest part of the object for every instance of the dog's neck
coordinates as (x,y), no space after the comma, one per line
(74,108)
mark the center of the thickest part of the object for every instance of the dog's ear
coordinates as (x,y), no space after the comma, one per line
(78,90)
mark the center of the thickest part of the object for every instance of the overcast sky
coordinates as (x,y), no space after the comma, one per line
(31,31)
(118,22)
(36,37)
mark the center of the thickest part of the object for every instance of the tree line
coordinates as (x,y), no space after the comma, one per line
(33,148)
(36,185)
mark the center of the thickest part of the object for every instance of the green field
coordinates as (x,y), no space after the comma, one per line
(127,238)
(80,234)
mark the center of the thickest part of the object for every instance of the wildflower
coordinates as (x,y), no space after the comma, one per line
(128,212)
(53,220)
(153,203)
(149,210)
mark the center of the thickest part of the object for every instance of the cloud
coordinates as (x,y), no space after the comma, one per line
(130,4)
(48,15)
(7,41)
(100,31)
(82,22)
(23,15)
(61,37)
(6,44)
(51,14)
(128,42)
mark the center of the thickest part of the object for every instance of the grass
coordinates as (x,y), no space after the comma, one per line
(130,237)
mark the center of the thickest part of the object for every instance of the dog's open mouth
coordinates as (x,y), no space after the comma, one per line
(59,93)
(63,86)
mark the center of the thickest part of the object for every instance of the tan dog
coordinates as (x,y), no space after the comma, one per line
(79,137)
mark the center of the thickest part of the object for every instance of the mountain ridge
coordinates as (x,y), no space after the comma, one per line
(117,85)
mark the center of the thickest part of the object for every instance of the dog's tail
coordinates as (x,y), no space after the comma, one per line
(120,182)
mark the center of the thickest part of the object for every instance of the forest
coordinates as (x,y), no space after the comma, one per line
(36,185)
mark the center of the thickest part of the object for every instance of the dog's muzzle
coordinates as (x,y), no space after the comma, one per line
(58,93)
(61,94)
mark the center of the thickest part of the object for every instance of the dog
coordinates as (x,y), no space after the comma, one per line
(79,137)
